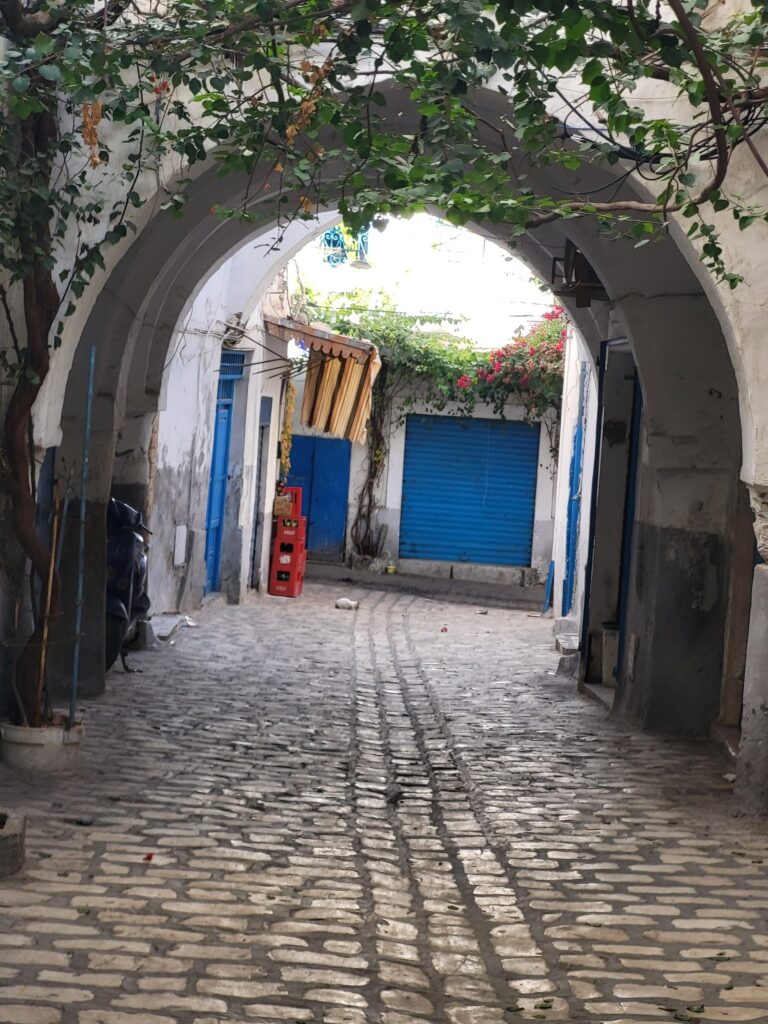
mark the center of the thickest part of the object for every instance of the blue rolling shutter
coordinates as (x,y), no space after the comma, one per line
(469,490)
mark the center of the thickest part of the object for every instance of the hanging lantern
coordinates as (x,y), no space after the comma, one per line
(360,261)
(333,247)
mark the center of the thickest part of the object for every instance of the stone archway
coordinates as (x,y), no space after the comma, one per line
(692,438)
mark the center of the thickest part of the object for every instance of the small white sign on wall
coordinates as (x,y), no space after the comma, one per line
(180,545)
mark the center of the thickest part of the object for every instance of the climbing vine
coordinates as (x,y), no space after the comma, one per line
(286,431)
(423,364)
(527,371)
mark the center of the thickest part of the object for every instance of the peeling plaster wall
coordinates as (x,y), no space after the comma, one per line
(185,443)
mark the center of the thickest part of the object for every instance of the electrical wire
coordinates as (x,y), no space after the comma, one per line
(432,316)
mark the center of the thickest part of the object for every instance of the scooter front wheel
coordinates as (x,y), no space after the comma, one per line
(114,638)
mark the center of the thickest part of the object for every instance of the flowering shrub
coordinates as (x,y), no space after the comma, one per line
(528,371)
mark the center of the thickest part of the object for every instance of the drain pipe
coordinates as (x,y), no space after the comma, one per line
(81,538)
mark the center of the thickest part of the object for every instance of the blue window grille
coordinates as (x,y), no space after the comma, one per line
(232,365)
(231,369)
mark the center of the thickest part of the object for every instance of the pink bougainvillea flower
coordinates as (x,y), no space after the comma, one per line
(464,381)
(555,313)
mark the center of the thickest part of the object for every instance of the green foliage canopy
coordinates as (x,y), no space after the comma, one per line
(421,359)
(98,96)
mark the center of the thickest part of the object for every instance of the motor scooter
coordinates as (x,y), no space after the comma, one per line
(127,599)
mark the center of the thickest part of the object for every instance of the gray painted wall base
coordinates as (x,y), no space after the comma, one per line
(751,792)
(673,654)
(94,609)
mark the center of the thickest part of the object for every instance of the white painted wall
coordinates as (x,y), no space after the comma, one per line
(271,388)
(576,354)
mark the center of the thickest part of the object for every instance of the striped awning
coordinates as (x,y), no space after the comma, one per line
(339,380)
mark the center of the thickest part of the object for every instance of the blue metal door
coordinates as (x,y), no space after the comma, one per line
(320,466)
(469,490)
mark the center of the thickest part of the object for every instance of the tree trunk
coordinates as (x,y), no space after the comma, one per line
(41,303)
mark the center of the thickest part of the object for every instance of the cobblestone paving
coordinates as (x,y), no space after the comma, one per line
(393,816)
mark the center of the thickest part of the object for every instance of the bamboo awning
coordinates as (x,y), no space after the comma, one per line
(339,381)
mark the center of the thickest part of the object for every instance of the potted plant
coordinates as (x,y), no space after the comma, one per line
(40,739)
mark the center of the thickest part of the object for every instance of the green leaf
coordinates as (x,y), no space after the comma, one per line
(591,70)
(21,83)
(50,72)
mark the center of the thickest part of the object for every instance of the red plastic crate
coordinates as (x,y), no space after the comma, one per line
(288,552)
(285,582)
(287,527)
(295,493)
(289,558)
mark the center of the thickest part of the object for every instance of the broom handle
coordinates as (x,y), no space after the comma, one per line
(47,606)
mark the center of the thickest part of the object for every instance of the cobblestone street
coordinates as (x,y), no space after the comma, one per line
(397,815)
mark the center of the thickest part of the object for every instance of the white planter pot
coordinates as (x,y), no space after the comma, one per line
(12,829)
(50,749)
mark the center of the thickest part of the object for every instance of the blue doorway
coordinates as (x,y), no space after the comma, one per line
(625,565)
(230,371)
(320,466)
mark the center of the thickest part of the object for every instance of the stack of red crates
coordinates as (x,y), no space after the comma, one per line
(289,550)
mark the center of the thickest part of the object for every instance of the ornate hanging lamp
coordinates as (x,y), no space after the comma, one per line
(337,246)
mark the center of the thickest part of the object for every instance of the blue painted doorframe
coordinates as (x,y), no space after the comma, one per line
(230,370)
(217,494)
(320,466)
(574,499)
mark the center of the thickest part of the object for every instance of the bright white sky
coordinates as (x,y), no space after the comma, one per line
(428,266)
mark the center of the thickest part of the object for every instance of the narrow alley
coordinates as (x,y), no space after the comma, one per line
(394,815)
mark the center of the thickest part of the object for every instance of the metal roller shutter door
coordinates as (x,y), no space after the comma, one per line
(469,490)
